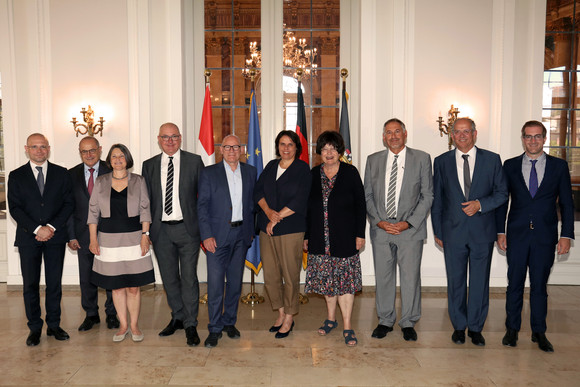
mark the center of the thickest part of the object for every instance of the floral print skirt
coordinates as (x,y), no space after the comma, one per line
(331,276)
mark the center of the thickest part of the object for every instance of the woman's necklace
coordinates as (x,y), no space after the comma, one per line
(120,178)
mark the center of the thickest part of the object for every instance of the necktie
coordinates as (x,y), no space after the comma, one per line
(391,205)
(91,181)
(533,179)
(466,176)
(40,180)
(169,188)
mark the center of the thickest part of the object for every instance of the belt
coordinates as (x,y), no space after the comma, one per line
(236,224)
(172,222)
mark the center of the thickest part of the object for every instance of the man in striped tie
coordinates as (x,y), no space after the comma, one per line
(399,192)
(172,180)
(538,184)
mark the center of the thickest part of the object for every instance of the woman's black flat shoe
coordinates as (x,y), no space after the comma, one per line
(280,335)
(275,328)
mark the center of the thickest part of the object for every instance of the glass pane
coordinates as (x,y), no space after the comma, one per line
(327,44)
(218,49)
(574,165)
(222,124)
(247,14)
(296,13)
(290,86)
(316,159)
(290,117)
(242,119)
(326,14)
(219,84)
(555,93)
(559,15)
(558,51)
(218,154)
(218,14)
(325,88)
(324,119)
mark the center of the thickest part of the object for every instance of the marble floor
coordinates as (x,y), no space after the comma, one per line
(302,359)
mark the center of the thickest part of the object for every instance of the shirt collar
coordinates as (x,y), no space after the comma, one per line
(165,157)
(401,154)
(33,166)
(540,159)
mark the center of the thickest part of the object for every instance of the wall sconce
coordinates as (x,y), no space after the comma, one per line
(446,128)
(89,126)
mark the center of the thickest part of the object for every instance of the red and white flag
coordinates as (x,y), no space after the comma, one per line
(207,151)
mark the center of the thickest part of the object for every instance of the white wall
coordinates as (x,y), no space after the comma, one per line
(407,58)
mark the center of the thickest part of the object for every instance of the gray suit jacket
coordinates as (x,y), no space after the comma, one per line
(415,197)
(190,169)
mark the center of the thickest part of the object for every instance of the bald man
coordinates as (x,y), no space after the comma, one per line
(40,201)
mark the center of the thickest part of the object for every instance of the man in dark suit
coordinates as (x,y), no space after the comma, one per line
(226,223)
(40,201)
(83,178)
(172,181)
(398,226)
(469,186)
(538,183)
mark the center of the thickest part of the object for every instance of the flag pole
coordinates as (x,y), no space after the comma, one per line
(252,298)
(206,74)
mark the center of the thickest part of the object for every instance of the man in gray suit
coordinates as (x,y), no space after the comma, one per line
(399,192)
(172,180)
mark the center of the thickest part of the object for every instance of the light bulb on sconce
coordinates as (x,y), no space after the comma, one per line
(89,126)
(445,128)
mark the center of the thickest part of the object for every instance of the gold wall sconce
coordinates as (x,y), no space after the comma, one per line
(445,128)
(89,126)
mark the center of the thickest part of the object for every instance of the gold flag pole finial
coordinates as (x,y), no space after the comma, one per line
(207,74)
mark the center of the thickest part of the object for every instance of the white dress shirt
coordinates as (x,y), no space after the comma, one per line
(400,173)
(176,214)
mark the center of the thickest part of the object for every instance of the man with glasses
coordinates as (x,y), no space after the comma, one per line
(399,193)
(40,201)
(172,182)
(226,222)
(538,184)
(83,178)
(469,186)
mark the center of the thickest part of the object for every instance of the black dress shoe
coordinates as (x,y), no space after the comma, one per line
(275,328)
(192,336)
(409,334)
(112,321)
(89,322)
(542,341)
(171,328)
(511,338)
(281,335)
(212,339)
(232,331)
(58,333)
(381,331)
(33,338)
(458,337)
(476,338)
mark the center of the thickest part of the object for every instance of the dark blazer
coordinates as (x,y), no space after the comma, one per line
(541,209)
(189,170)
(31,210)
(346,213)
(137,199)
(77,223)
(214,206)
(290,190)
(450,223)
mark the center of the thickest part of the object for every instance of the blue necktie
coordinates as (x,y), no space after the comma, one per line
(533,179)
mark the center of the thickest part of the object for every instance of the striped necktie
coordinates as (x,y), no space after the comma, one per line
(391,205)
(169,188)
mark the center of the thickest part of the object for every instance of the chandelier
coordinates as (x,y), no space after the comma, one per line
(296,55)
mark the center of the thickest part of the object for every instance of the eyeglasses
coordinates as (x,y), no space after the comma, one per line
(91,151)
(537,137)
(328,150)
(175,137)
(465,132)
(235,148)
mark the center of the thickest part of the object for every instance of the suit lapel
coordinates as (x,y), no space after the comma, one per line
(381,178)
(452,170)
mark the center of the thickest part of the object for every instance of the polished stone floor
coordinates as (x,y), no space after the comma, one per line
(304,358)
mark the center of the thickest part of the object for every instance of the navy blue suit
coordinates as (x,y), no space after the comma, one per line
(467,240)
(30,209)
(533,246)
(214,208)
(79,230)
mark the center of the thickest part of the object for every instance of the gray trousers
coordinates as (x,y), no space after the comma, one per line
(387,254)
(177,255)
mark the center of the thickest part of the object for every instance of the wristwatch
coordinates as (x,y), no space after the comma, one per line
(145,233)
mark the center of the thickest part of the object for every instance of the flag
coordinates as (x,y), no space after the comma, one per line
(301,126)
(206,131)
(345,129)
(254,157)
